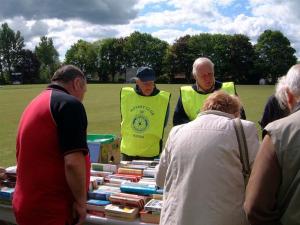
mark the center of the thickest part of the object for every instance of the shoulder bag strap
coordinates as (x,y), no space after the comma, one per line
(242,148)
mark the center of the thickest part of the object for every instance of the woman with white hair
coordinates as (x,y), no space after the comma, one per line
(273,191)
(275,109)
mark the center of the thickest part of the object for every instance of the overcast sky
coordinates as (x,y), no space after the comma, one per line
(67,21)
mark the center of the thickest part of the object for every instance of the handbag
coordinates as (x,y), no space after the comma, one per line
(243,148)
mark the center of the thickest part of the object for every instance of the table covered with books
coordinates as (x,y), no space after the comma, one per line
(118,194)
(6,214)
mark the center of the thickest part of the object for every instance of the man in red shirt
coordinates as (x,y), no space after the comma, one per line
(52,155)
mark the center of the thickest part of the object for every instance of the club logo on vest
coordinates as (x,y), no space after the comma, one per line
(140,123)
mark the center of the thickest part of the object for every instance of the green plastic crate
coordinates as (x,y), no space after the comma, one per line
(104,148)
(101,138)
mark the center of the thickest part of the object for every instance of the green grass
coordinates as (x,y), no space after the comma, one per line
(103,109)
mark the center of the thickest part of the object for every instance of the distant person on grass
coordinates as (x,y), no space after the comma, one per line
(52,154)
(192,97)
(144,115)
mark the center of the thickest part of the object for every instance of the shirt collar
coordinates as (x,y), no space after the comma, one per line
(297,108)
(57,87)
(139,92)
(216,112)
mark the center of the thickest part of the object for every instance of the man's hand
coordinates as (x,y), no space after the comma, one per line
(80,213)
(75,174)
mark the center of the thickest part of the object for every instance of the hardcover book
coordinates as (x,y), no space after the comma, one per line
(96,205)
(129,177)
(130,171)
(121,212)
(6,193)
(96,213)
(132,200)
(137,188)
(104,167)
(149,217)
(103,192)
(154,205)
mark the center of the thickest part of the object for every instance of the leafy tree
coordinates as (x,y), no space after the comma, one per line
(220,55)
(178,59)
(29,66)
(11,44)
(200,45)
(110,56)
(241,58)
(142,49)
(47,56)
(82,54)
(274,54)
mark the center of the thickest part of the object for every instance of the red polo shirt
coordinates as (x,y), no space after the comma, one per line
(53,124)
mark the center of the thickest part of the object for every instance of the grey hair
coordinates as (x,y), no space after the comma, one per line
(293,80)
(200,61)
(290,81)
(280,92)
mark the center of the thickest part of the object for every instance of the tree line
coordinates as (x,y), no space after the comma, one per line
(234,56)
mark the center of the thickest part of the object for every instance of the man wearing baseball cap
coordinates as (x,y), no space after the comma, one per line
(144,114)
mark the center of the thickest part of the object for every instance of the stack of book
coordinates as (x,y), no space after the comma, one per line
(120,212)
(95,182)
(149,172)
(130,171)
(132,200)
(148,181)
(125,177)
(96,207)
(151,212)
(129,165)
(137,188)
(104,167)
(6,195)
(148,163)
(103,192)
(100,173)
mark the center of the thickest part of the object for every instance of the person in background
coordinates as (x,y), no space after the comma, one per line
(274,109)
(273,191)
(52,154)
(200,168)
(144,115)
(192,97)
(2,173)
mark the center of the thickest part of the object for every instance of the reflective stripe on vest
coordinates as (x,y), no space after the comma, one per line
(142,122)
(192,101)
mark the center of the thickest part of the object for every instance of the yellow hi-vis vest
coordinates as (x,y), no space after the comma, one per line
(142,124)
(192,101)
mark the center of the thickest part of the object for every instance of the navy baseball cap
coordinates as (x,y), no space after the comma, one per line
(145,74)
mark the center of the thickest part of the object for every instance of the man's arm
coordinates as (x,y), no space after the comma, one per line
(180,117)
(264,182)
(75,176)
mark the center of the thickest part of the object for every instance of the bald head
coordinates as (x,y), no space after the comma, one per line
(203,72)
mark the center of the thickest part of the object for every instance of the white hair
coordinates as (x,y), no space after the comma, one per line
(201,61)
(290,81)
(280,92)
(293,80)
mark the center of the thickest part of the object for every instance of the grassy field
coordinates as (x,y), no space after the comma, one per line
(103,109)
